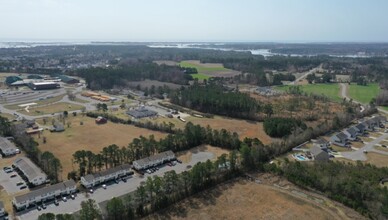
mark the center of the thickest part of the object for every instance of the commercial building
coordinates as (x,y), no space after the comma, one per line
(154,160)
(92,180)
(67,79)
(141,112)
(7,148)
(44,194)
(11,79)
(33,174)
(43,85)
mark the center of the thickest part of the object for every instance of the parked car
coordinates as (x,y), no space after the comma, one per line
(124,180)
(117,181)
(39,208)
(149,171)
(23,187)
(64,198)
(104,186)
(179,161)
(13,175)
(72,196)
(56,202)
(365,151)
(44,206)
(91,190)
(19,183)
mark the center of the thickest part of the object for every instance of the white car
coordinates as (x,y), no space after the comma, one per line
(149,171)
(104,186)
(64,199)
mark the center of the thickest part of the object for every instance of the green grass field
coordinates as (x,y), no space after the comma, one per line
(363,94)
(330,90)
(200,76)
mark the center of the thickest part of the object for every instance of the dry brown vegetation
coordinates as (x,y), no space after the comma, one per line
(242,199)
(378,160)
(88,136)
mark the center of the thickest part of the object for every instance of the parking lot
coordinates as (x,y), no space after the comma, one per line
(113,189)
(9,183)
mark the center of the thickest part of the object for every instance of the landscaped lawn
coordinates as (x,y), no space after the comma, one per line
(203,67)
(330,90)
(200,76)
(363,94)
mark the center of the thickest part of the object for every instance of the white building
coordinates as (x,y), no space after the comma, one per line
(2,211)
(33,173)
(91,180)
(7,148)
(154,160)
(44,194)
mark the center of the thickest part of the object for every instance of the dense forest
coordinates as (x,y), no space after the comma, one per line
(214,99)
(357,186)
(280,127)
(108,78)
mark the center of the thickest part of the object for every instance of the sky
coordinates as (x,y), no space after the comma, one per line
(195,20)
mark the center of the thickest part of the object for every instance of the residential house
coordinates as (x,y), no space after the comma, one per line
(352,133)
(58,127)
(44,194)
(339,139)
(30,171)
(322,143)
(154,160)
(361,128)
(7,148)
(92,180)
(319,154)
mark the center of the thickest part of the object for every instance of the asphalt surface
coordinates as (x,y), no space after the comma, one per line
(369,147)
(9,184)
(113,189)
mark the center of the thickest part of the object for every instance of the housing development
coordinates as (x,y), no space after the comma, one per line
(254,110)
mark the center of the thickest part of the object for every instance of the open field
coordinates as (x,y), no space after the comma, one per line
(330,90)
(243,128)
(8,116)
(378,160)
(38,103)
(185,156)
(242,199)
(166,62)
(53,108)
(381,148)
(200,76)
(209,69)
(363,94)
(88,136)
(149,83)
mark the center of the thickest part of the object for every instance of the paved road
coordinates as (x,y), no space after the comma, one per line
(113,190)
(369,147)
(306,74)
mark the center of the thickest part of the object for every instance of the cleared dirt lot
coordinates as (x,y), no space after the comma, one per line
(88,136)
(242,199)
(186,156)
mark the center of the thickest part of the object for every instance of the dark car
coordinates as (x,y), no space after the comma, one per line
(44,206)
(117,181)
(384,145)
(56,202)
(23,187)
(124,180)
(13,175)
(179,161)
(39,208)
(19,183)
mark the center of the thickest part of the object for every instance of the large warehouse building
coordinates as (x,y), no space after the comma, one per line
(43,85)
(154,160)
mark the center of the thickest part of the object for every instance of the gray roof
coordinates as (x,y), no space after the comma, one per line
(28,167)
(360,126)
(155,157)
(322,141)
(141,113)
(5,144)
(59,126)
(91,177)
(352,130)
(342,136)
(315,150)
(45,190)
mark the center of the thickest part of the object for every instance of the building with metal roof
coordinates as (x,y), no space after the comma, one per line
(44,194)
(7,148)
(154,160)
(92,180)
(141,112)
(43,85)
(31,172)
(67,79)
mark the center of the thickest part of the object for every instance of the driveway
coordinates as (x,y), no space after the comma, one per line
(360,155)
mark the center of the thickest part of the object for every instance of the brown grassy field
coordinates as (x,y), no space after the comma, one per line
(88,136)
(242,199)
(378,160)
(53,108)
(381,148)
(242,127)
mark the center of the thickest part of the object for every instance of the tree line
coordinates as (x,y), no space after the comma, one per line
(280,127)
(113,155)
(214,99)
(357,186)
(118,76)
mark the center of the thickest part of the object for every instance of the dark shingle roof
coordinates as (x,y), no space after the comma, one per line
(342,136)
(91,177)
(28,167)
(141,113)
(5,144)
(45,190)
(155,157)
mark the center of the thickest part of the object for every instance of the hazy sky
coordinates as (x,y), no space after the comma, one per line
(195,20)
